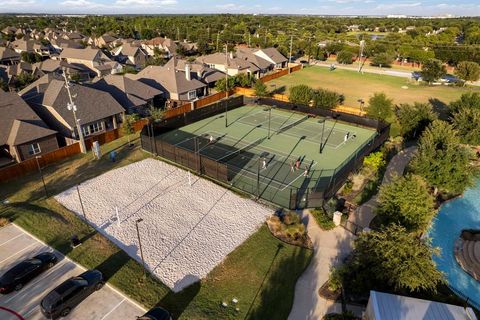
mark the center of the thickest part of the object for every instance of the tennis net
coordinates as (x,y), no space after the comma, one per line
(291,125)
(233,154)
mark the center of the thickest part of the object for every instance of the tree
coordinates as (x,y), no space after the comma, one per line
(467,122)
(432,70)
(220,84)
(383,59)
(3,85)
(396,258)
(325,99)
(127,127)
(30,57)
(414,118)
(469,100)
(260,89)
(442,160)
(407,201)
(468,71)
(380,107)
(301,94)
(345,57)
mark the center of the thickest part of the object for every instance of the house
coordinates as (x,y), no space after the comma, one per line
(248,54)
(273,56)
(385,306)
(16,70)
(56,66)
(23,134)
(235,65)
(134,96)
(32,46)
(165,45)
(93,59)
(8,56)
(97,111)
(106,41)
(130,54)
(60,44)
(198,71)
(177,86)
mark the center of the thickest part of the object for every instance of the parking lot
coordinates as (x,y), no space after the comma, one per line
(16,245)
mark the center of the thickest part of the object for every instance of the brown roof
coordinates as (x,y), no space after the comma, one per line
(274,54)
(127,92)
(88,53)
(13,108)
(247,54)
(233,63)
(7,53)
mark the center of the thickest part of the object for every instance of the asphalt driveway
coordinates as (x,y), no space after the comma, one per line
(15,245)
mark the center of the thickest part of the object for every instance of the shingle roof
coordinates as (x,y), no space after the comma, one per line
(7,53)
(17,69)
(51,65)
(88,54)
(23,131)
(274,54)
(248,54)
(12,108)
(233,63)
(127,92)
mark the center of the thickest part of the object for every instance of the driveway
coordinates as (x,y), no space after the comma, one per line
(15,245)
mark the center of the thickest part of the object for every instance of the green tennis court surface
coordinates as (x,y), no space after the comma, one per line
(270,152)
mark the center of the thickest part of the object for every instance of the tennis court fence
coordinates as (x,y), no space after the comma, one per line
(289,197)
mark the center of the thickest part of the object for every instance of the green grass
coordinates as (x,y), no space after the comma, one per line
(257,266)
(356,86)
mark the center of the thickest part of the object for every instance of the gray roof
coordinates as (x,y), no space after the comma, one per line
(7,53)
(274,54)
(248,54)
(127,92)
(88,54)
(92,104)
(19,68)
(29,127)
(199,70)
(51,65)
(233,62)
(394,307)
(167,79)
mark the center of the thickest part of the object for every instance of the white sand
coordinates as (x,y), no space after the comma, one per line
(186,230)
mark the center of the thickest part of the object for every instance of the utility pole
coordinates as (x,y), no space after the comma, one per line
(178,34)
(218,39)
(360,55)
(140,246)
(290,56)
(309,48)
(41,174)
(226,85)
(72,107)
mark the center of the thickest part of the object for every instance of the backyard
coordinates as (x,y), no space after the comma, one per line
(355,86)
(261,273)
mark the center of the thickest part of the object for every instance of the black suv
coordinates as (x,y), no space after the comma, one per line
(61,300)
(156,314)
(25,271)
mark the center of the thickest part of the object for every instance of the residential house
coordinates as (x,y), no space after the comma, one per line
(177,86)
(56,66)
(32,46)
(165,45)
(198,71)
(234,67)
(9,30)
(16,70)
(60,44)
(272,55)
(134,96)
(23,134)
(248,54)
(93,59)
(106,41)
(97,111)
(385,306)
(130,54)
(8,56)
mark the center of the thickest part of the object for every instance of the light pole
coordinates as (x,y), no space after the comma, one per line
(81,203)
(140,246)
(323,130)
(269,120)
(226,84)
(72,107)
(362,103)
(41,174)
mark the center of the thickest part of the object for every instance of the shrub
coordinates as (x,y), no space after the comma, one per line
(4,222)
(345,57)
(260,89)
(325,99)
(324,220)
(291,218)
(301,94)
(374,161)
(335,279)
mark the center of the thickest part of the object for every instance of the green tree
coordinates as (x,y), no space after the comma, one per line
(408,202)
(127,127)
(30,57)
(380,107)
(414,118)
(383,59)
(467,122)
(220,84)
(260,89)
(396,258)
(468,71)
(325,99)
(345,57)
(469,100)
(432,70)
(301,94)
(442,160)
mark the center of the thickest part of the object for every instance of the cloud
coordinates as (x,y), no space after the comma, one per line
(18,3)
(82,4)
(230,6)
(398,5)
(146,2)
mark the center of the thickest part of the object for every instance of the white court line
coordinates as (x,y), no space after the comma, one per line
(301,175)
(118,304)
(18,252)
(31,310)
(11,239)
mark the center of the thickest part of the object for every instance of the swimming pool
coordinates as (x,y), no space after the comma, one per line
(453,217)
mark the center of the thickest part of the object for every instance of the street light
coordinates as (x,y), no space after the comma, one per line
(269,119)
(323,130)
(362,103)
(140,245)
(41,174)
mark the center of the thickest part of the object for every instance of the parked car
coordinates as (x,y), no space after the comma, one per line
(61,300)
(156,314)
(25,271)
(416,75)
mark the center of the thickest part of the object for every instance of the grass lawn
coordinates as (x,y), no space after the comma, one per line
(261,273)
(356,86)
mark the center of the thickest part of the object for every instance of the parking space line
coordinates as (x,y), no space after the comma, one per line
(118,304)
(32,244)
(11,239)
(31,310)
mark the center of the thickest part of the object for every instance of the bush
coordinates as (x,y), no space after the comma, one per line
(345,57)
(301,94)
(325,99)
(374,162)
(324,220)
(260,89)
(335,279)
(3,222)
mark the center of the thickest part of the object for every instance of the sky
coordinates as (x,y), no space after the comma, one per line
(321,7)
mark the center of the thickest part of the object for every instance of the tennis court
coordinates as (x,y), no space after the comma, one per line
(270,152)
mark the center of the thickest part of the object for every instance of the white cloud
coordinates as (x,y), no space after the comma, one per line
(146,2)
(18,3)
(391,6)
(230,6)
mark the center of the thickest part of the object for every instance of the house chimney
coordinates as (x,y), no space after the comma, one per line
(187,72)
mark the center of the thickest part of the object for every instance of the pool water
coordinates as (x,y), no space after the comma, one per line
(452,218)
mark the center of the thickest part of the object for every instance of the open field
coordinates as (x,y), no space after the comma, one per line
(356,86)
(261,273)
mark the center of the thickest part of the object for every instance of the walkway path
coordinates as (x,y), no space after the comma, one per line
(366,212)
(330,248)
